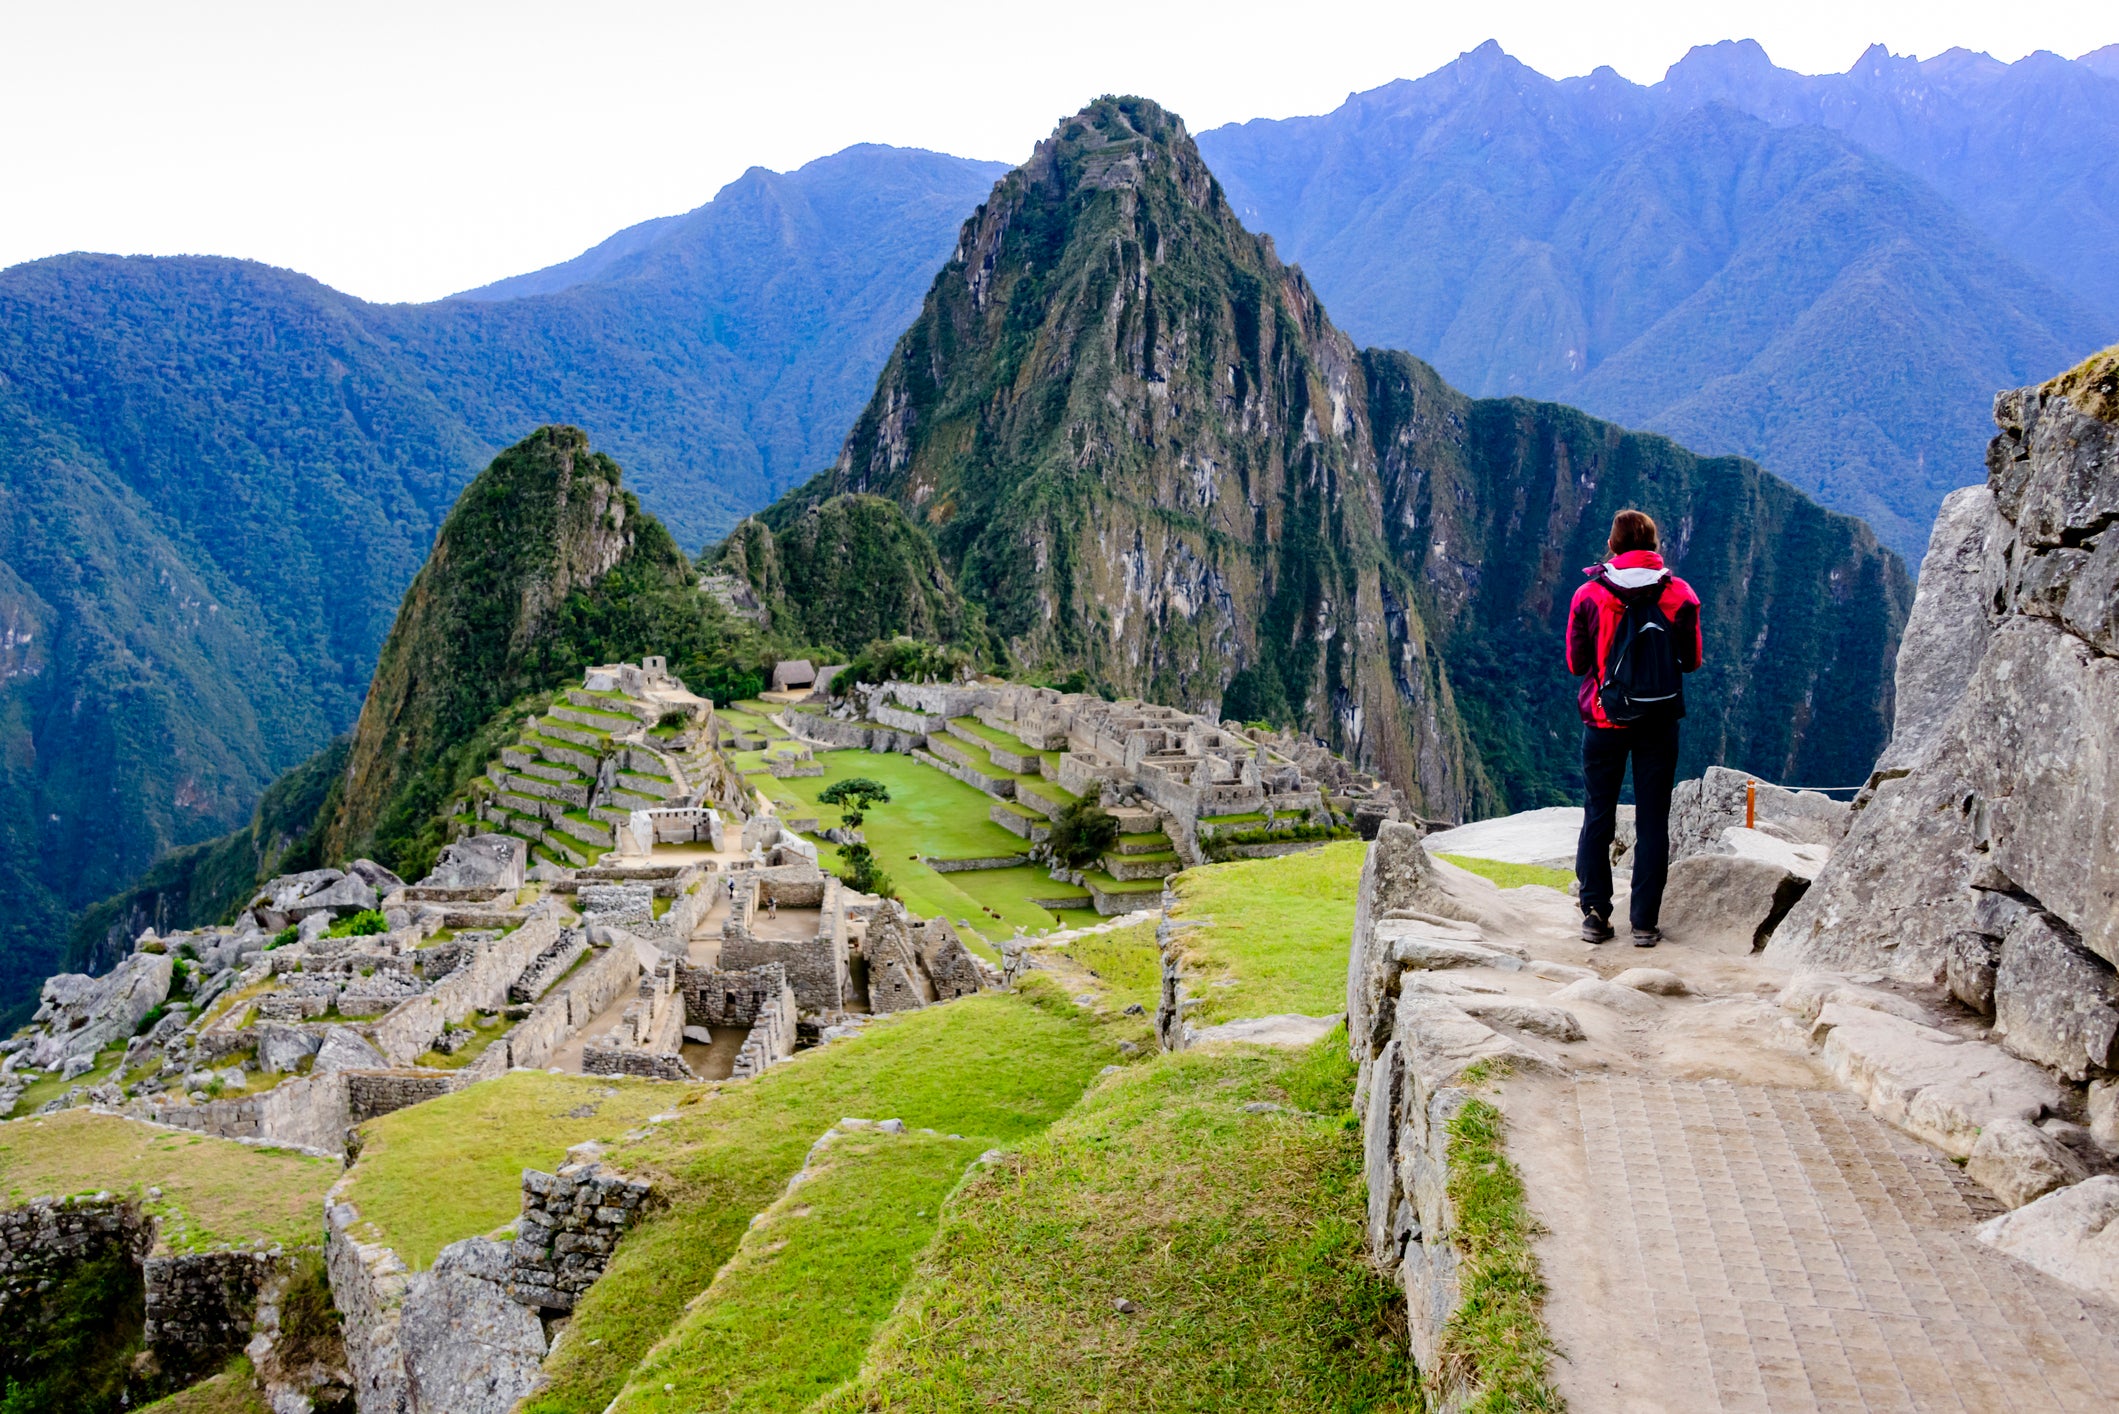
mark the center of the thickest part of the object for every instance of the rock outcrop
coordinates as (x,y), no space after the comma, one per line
(1984,855)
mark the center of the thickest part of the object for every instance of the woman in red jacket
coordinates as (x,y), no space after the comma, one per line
(1632,633)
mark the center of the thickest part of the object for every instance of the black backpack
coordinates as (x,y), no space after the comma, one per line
(1641,678)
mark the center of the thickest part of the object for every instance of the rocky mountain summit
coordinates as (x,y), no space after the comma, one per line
(1143,450)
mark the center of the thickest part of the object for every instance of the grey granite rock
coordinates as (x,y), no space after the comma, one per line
(469,1348)
(344,1049)
(2054,1002)
(2071,1234)
(1946,633)
(2019,1163)
(1728,903)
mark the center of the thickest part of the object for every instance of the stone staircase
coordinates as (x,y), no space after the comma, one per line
(576,774)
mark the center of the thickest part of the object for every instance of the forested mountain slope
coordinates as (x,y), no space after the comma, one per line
(1143,449)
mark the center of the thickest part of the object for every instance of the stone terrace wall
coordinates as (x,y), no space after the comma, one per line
(42,1240)
(612,972)
(571,1222)
(370,1094)
(409,1029)
(201,1307)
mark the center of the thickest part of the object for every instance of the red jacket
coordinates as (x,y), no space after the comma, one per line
(1596,613)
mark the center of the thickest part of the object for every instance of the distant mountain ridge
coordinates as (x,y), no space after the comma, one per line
(217,479)
(1660,256)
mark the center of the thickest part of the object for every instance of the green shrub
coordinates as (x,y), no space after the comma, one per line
(1084,834)
(363,924)
(147,1023)
(723,683)
(283,937)
(857,867)
(901,659)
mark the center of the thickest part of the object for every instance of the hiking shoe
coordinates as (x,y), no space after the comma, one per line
(1647,937)
(1596,928)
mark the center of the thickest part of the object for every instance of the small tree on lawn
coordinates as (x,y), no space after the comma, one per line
(855,796)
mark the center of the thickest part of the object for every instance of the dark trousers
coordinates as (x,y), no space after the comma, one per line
(1654,749)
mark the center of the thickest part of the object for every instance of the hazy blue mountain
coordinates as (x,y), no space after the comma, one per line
(217,478)
(1770,291)
(2023,149)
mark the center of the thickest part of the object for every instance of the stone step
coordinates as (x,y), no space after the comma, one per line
(628,800)
(551,771)
(660,787)
(612,723)
(572,734)
(1144,844)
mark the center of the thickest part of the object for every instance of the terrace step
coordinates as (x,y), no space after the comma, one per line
(1131,868)
(611,722)
(572,734)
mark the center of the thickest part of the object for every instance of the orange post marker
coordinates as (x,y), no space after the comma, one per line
(1750,805)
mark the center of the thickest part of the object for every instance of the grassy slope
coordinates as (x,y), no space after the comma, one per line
(993,1067)
(791,1314)
(214,1191)
(930,814)
(452,1168)
(233,1391)
(1236,1235)
(1513,876)
(1276,928)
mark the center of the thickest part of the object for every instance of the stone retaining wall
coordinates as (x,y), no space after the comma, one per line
(371,1094)
(40,1241)
(960,866)
(411,1028)
(579,1001)
(201,1307)
(308,1112)
(571,1222)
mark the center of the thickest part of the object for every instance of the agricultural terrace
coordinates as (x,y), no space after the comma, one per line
(206,1192)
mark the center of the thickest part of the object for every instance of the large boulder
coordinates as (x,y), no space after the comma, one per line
(480,862)
(1728,903)
(1704,809)
(2054,1002)
(2071,1234)
(375,877)
(346,895)
(1946,633)
(282,1047)
(346,1049)
(2003,776)
(2019,1162)
(469,1347)
(81,1015)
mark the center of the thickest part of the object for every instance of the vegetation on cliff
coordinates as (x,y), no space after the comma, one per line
(1136,441)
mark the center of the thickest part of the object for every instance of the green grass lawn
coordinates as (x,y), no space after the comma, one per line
(993,736)
(790,1315)
(995,1068)
(1279,929)
(1236,1236)
(1124,960)
(215,1192)
(929,814)
(452,1167)
(1513,876)
(46,1088)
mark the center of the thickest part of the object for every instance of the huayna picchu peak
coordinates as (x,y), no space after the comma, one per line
(1143,450)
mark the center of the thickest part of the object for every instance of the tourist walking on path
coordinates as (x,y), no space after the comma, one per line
(1633,631)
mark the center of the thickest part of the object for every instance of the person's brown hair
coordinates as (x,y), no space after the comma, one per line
(1633,530)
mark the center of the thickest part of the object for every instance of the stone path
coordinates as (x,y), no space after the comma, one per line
(1756,1248)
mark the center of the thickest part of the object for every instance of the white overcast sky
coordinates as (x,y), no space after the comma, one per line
(405,151)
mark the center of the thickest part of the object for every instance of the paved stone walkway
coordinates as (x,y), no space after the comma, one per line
(1792,1252)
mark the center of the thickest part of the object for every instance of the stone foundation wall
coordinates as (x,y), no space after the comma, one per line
(410,1028)
(370,1094)
(815,967)
(42,1240)
(958,866)
(613,971)
(571,1222)
(307,1112)
(201,1307)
